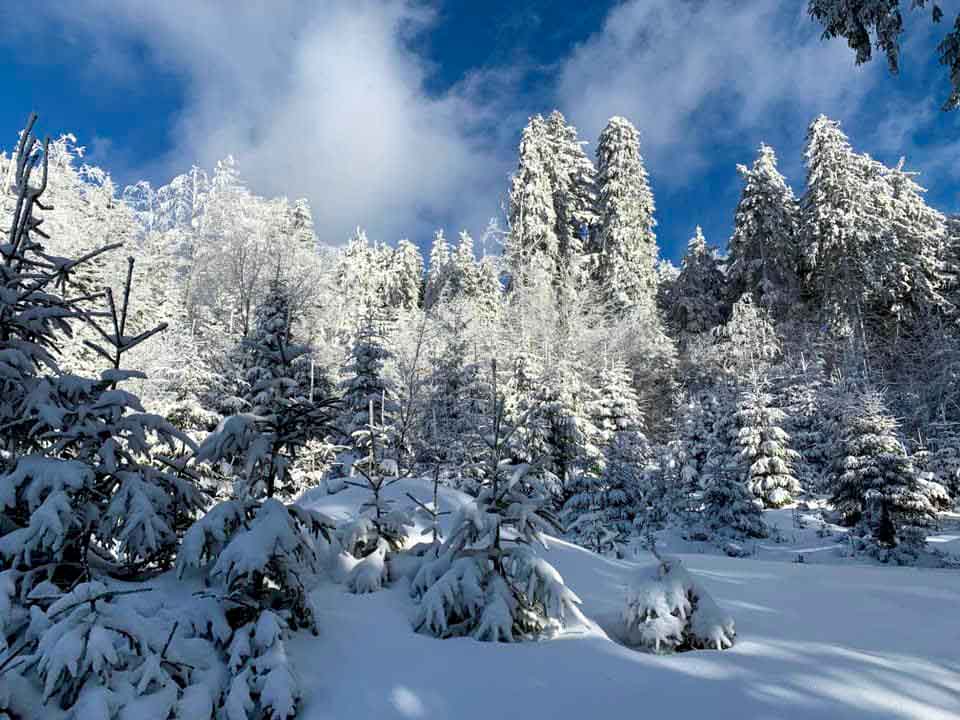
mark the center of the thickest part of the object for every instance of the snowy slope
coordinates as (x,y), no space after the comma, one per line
(814,641)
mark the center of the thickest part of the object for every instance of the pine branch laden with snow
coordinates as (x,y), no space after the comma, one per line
(260,554)
(668,611)
(100,650)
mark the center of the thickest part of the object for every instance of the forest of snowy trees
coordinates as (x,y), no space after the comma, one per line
(179,364)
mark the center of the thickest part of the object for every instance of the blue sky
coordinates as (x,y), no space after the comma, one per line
(403,116)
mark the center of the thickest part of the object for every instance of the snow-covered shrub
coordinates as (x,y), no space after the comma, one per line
(668,611)
(261,554)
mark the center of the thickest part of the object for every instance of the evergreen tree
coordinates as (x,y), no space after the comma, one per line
(598,508)
(84,495)
(879,23)
(365,382)
(801,391)
(875,481)
(765,448)
(258,552)
(405,277)
(835,218)
(438,271)
(487,582)
(729,508)
(532,249)
(626,244)
(763,253)
(872,247)
(696,302)
(574,197)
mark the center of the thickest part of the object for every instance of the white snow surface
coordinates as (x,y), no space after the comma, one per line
(813,641)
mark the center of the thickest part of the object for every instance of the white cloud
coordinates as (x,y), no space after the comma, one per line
(694,74)
(323,99)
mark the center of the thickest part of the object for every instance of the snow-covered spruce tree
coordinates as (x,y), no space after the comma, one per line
(257,553)
(381,528)
(799,386)
(871,245)
(487,582)
(438,270)
(875,481)
(626,244)
(696,302)
(763,252)
(668,611)
(943,446)
(574,198)
(599,503)
(532,247)
(765,448)
(728,508)
(617,407)
(404,277)
(364,382)
(82,494)
(907,271)
(456,396)
(836,223)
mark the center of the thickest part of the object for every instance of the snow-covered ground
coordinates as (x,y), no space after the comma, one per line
(815,640)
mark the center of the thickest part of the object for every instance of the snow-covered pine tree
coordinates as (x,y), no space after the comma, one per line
(487,582)
(532,248)
(625,243)
(746,345)
(574,199)
(463,277)
(763,251)
(729,509)
(696,302)
(907,267)
(765,448)
(599,506)
(404,277)
(871,245)
(259,554)
(836,223)
(438,271)
(875,481)
(84,496)
(668,611)
(271,375)
(364,382)
(799,386)
(943,443)
(456,388)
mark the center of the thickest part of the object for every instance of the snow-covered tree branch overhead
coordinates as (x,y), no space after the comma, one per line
(879,23)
